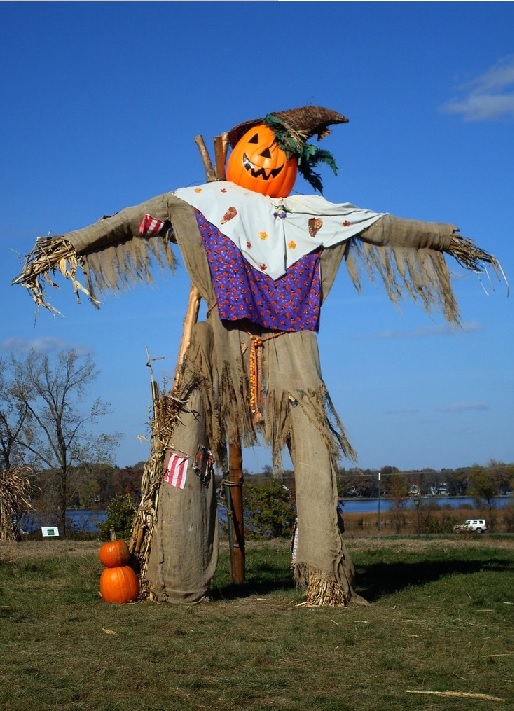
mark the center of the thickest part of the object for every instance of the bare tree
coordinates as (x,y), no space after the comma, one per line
(55,435)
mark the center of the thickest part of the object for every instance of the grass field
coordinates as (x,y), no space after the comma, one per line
(438,633)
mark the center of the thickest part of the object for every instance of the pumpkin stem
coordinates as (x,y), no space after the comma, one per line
(113,533)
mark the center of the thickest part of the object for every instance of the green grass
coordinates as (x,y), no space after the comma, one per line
(441,618)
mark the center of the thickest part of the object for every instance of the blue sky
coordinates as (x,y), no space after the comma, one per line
(101,105)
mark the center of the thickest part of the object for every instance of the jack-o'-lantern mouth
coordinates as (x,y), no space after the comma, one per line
(257,172)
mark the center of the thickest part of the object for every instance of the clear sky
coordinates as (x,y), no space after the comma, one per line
(101,103)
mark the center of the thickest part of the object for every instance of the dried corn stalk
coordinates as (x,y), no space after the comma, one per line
(167,409)
(14,501)
(51,254)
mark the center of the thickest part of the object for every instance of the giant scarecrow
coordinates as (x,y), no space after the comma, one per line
(264,263)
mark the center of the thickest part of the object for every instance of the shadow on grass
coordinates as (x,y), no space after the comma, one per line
(376,580)
(260,580)
(373,580)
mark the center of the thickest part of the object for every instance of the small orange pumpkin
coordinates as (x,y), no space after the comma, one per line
(119,584)
(114,553)
(259,164)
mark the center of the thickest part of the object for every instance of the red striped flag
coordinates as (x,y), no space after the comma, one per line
(176,470)
(150,226)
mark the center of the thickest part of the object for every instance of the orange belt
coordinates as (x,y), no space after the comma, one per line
(256,392)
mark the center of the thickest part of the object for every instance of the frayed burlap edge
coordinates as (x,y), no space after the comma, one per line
(409,257)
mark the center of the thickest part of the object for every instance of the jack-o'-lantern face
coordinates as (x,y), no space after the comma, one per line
(259,164)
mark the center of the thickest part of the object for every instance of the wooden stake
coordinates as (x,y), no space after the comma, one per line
(191,317)
(193,303)
(207,164)
(220,154)
(235,474)
(235,452)
(235,490)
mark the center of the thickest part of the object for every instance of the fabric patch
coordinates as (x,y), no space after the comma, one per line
(291,303)
(176,470)
(150,226)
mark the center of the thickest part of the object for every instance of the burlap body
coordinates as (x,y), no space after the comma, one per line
(297,411)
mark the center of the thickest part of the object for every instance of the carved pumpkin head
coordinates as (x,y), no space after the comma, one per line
(259,164)
(268,152)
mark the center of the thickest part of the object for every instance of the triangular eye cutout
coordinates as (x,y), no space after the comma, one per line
(266,153)
(254,138)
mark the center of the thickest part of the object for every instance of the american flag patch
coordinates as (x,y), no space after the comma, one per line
(150,226)
(176,471)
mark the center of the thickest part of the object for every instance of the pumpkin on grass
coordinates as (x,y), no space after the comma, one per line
(119,584)
(114,553)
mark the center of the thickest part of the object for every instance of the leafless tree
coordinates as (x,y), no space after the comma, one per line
(55,435)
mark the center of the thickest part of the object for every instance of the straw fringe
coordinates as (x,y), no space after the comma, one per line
(322,590)
(118,267)
(114,267)
(422,274)
(15,491)
(167,410)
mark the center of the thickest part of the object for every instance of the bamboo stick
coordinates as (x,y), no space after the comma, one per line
(220,154)
(207,164)
(193,303)
(235,475)
(191,317)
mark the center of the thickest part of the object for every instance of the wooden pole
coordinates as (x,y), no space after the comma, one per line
(220,155)
(235,452)
(235,490)
(209,170)
(234,487)
(193,303)
(191,317)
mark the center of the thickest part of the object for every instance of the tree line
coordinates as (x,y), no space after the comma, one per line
(481,483)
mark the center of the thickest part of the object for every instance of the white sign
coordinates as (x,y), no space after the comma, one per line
(50,531)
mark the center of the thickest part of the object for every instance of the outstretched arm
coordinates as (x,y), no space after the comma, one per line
(408,255)
(112,253)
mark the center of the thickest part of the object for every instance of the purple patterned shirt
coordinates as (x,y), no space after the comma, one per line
(290,303)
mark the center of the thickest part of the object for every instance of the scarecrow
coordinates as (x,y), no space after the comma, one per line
(264,262)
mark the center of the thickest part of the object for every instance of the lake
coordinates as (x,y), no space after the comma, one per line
(370,505)
(88,521)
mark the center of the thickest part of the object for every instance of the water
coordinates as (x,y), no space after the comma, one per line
(371,505)
(87,521)
(82,520)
